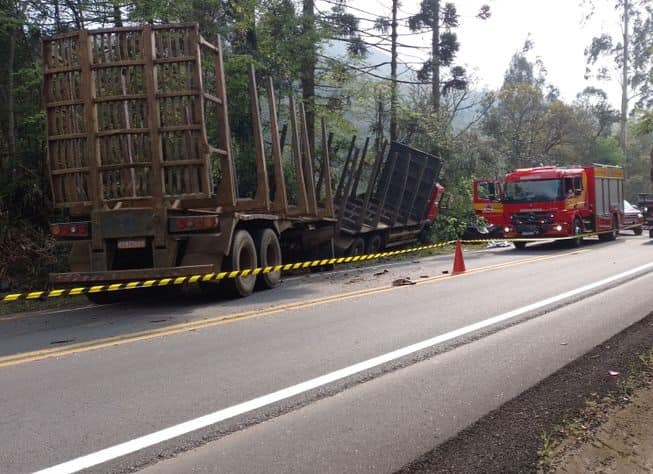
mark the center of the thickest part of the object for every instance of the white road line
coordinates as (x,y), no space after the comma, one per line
(166,434)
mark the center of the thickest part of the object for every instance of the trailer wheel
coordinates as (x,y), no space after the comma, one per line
(243,256)
(356,248)
(374,243)
(650,233)
(638,230)
(269,254)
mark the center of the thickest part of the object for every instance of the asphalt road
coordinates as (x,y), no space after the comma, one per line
(75,383)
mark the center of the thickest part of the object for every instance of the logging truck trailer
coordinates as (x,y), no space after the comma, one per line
(389,202)
(139,154)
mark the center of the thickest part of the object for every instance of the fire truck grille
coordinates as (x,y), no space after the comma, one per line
(531,222)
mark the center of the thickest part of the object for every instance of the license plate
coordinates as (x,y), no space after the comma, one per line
(131,244)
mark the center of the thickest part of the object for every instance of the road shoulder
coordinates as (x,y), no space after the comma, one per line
(524,434)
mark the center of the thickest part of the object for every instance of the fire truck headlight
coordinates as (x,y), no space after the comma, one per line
(506,229)
(558,228)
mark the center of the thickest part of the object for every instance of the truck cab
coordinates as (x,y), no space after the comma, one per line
(550,201)
(488,205)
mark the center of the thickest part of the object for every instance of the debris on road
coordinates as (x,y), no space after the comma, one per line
(499,244)
(385,270)
(403,282)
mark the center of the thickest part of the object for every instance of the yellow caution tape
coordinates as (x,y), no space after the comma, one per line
(132,285)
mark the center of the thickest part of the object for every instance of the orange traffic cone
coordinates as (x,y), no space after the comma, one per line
(458,261)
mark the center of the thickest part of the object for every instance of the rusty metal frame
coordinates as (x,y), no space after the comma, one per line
(362,217)
(302,196)
(280,203)
(325,175)
(344,173)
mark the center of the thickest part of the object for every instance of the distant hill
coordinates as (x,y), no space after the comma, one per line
(338,50)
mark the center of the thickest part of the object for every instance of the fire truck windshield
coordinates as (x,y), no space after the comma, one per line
(534,191)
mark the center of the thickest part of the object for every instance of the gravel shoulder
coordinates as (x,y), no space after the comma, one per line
(603,398)
(624,443)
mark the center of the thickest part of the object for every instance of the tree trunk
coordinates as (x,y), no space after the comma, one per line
(435,60)
(57,17)
(651,173)
(11,105)
(308,71)
(117,15)
(379,123)
(624,79)
(393,75)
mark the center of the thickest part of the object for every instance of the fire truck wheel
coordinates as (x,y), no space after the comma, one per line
(374,243)
(357,248)
(269,254)
(243,256)
(577,239)
(650,233)
(612,235)
(520,245)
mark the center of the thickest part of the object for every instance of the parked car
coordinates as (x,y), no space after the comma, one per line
(633,218)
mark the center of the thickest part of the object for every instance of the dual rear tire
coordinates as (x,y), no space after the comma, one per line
(614,231)
(247,252)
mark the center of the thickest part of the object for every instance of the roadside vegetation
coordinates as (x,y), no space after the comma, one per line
(581,427)
(327,54)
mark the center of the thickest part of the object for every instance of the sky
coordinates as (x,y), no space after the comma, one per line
(557,28)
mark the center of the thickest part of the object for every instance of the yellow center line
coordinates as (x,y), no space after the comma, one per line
(32,356)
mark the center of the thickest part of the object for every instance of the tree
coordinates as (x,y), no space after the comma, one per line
(527,122)
(644,127)
(441,20)
(632,56)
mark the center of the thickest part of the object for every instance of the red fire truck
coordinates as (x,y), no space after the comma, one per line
(551,201)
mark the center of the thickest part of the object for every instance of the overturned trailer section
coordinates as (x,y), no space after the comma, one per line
(139,153)
(389,202)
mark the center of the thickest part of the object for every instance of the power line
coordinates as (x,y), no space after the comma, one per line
(377,76)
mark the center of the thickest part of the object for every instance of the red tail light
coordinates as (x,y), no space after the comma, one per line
(70,229)
(192,223)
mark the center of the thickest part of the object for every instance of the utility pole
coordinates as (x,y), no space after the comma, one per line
(393,75)
(308,72)
(624,78)
(435,60)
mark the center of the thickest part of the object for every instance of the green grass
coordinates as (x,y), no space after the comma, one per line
(42,305)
